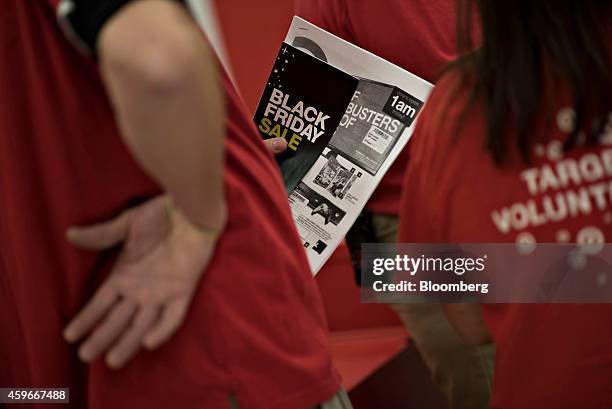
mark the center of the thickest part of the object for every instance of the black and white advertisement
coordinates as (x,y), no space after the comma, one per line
(294,107)
(369,129)
(346,114)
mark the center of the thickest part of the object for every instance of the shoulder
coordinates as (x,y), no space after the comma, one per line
(448,110)
(449,96)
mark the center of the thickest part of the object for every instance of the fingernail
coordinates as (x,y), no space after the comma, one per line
(85,355)
(71,234)
(113,362)
(147,344)
(68,335)
(278,144)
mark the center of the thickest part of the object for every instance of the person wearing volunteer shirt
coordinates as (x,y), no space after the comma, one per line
(185,284)
(418,36)
(512,135)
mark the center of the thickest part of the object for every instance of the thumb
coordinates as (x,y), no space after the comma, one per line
(100,236)
(276,145)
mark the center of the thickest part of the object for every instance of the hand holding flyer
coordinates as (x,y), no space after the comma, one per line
(346,114)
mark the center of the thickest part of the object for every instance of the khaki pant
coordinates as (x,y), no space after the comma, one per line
(463,373)
(339,401)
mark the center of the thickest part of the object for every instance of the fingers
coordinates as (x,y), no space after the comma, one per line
(132,340)
(276,145)
(147,328)
(169,322)
(103,336)
(93,312)
(100,236)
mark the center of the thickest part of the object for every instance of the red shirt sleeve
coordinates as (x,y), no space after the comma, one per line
(330,15)
(416,225)
(421,209)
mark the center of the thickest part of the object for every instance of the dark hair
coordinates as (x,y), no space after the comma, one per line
(520,40)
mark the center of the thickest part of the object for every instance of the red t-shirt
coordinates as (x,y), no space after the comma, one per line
(548,356)
(256,327)
(418,36)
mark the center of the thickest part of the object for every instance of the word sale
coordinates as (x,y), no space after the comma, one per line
(304,121)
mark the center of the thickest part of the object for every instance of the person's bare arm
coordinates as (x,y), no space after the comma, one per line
(163,82)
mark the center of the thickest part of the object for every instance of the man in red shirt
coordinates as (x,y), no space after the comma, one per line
(199,261)
(418,36)
(509,150)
